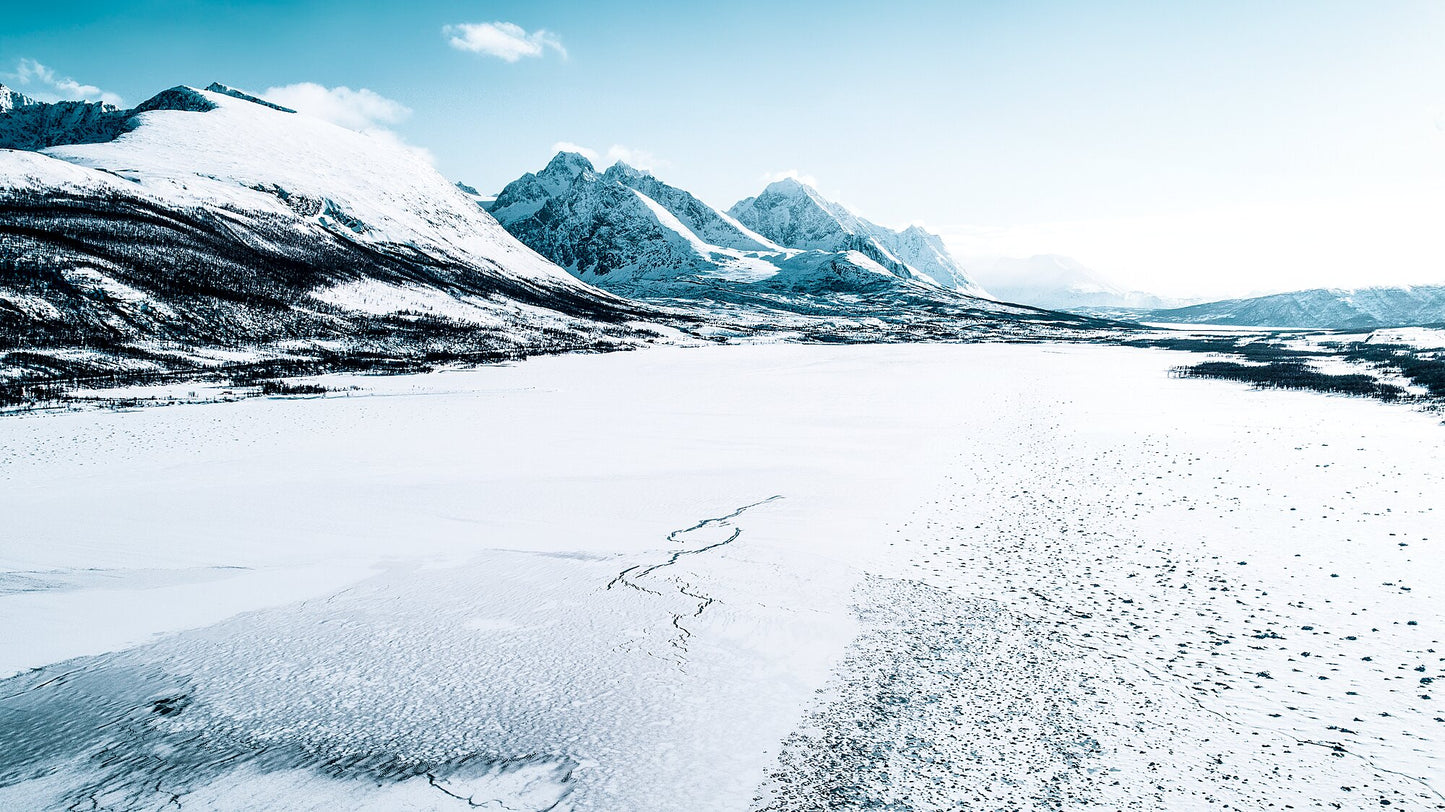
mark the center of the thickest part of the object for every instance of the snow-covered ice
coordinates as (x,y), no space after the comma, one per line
(755,577)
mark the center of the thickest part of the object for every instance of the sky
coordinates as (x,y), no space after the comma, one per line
(1181,148)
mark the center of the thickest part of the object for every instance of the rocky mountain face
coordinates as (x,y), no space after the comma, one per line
(793,214)
(29,124)
(925,252)
(599,229)
(710,225)
(629,232)
(11,99)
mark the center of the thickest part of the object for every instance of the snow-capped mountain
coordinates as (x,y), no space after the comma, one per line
(795,215)
(211,229)
(29,124)
(627,231)
(11,99)
(1333,309)
(1058,283)
(709,224)
(210,217)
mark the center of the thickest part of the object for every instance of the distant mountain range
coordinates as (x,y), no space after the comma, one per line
(210,229)
(1062,283)
(1325,309)
(627,231)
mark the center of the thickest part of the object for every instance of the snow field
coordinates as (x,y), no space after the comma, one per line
(1006,574)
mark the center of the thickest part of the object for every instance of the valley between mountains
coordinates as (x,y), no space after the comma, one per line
(328,482)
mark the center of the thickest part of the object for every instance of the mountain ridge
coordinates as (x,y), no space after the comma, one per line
(795,215)
(1318,308)
(667,242)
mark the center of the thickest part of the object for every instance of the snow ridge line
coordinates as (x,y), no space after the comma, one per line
(626,578)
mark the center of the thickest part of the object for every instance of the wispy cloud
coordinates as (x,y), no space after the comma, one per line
(354,109)
(44,84)
(365,111)
(772,177)
(638,158)
(507,41)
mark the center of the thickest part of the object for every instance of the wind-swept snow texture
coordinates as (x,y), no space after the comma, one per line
(230,222)
(783,577)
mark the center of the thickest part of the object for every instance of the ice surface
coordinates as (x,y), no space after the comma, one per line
(1012,577)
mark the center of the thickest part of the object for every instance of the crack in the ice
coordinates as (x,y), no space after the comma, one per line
(467,799)
(497,803)
(626,578)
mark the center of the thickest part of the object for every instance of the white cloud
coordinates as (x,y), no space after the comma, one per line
(507,41)
(365,111)
(638,158)
(567,146)
(353,109)
(773,177)
(44,84)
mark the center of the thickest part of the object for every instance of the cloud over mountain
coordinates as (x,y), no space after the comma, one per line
(44,84)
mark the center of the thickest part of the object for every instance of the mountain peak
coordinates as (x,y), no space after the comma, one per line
(217,87)
(793,214)
(569,163)
(790,186)
(11,99)
(626,170)
(179,98)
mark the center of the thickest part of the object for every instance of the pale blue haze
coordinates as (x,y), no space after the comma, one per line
(1144,137)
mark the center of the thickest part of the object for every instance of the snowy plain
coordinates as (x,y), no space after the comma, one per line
(758,577)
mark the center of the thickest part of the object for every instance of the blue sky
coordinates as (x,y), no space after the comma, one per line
(1211,148)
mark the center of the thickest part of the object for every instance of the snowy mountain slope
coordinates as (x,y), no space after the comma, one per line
(609,233)
(211,218)
(795,215)
(11,99)
(1057,282)
(1334,309)
(608,229)
(925,252)
(709,224)
(258,158)
(630,233)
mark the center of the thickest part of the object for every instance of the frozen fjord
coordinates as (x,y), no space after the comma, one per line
(1006,576)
